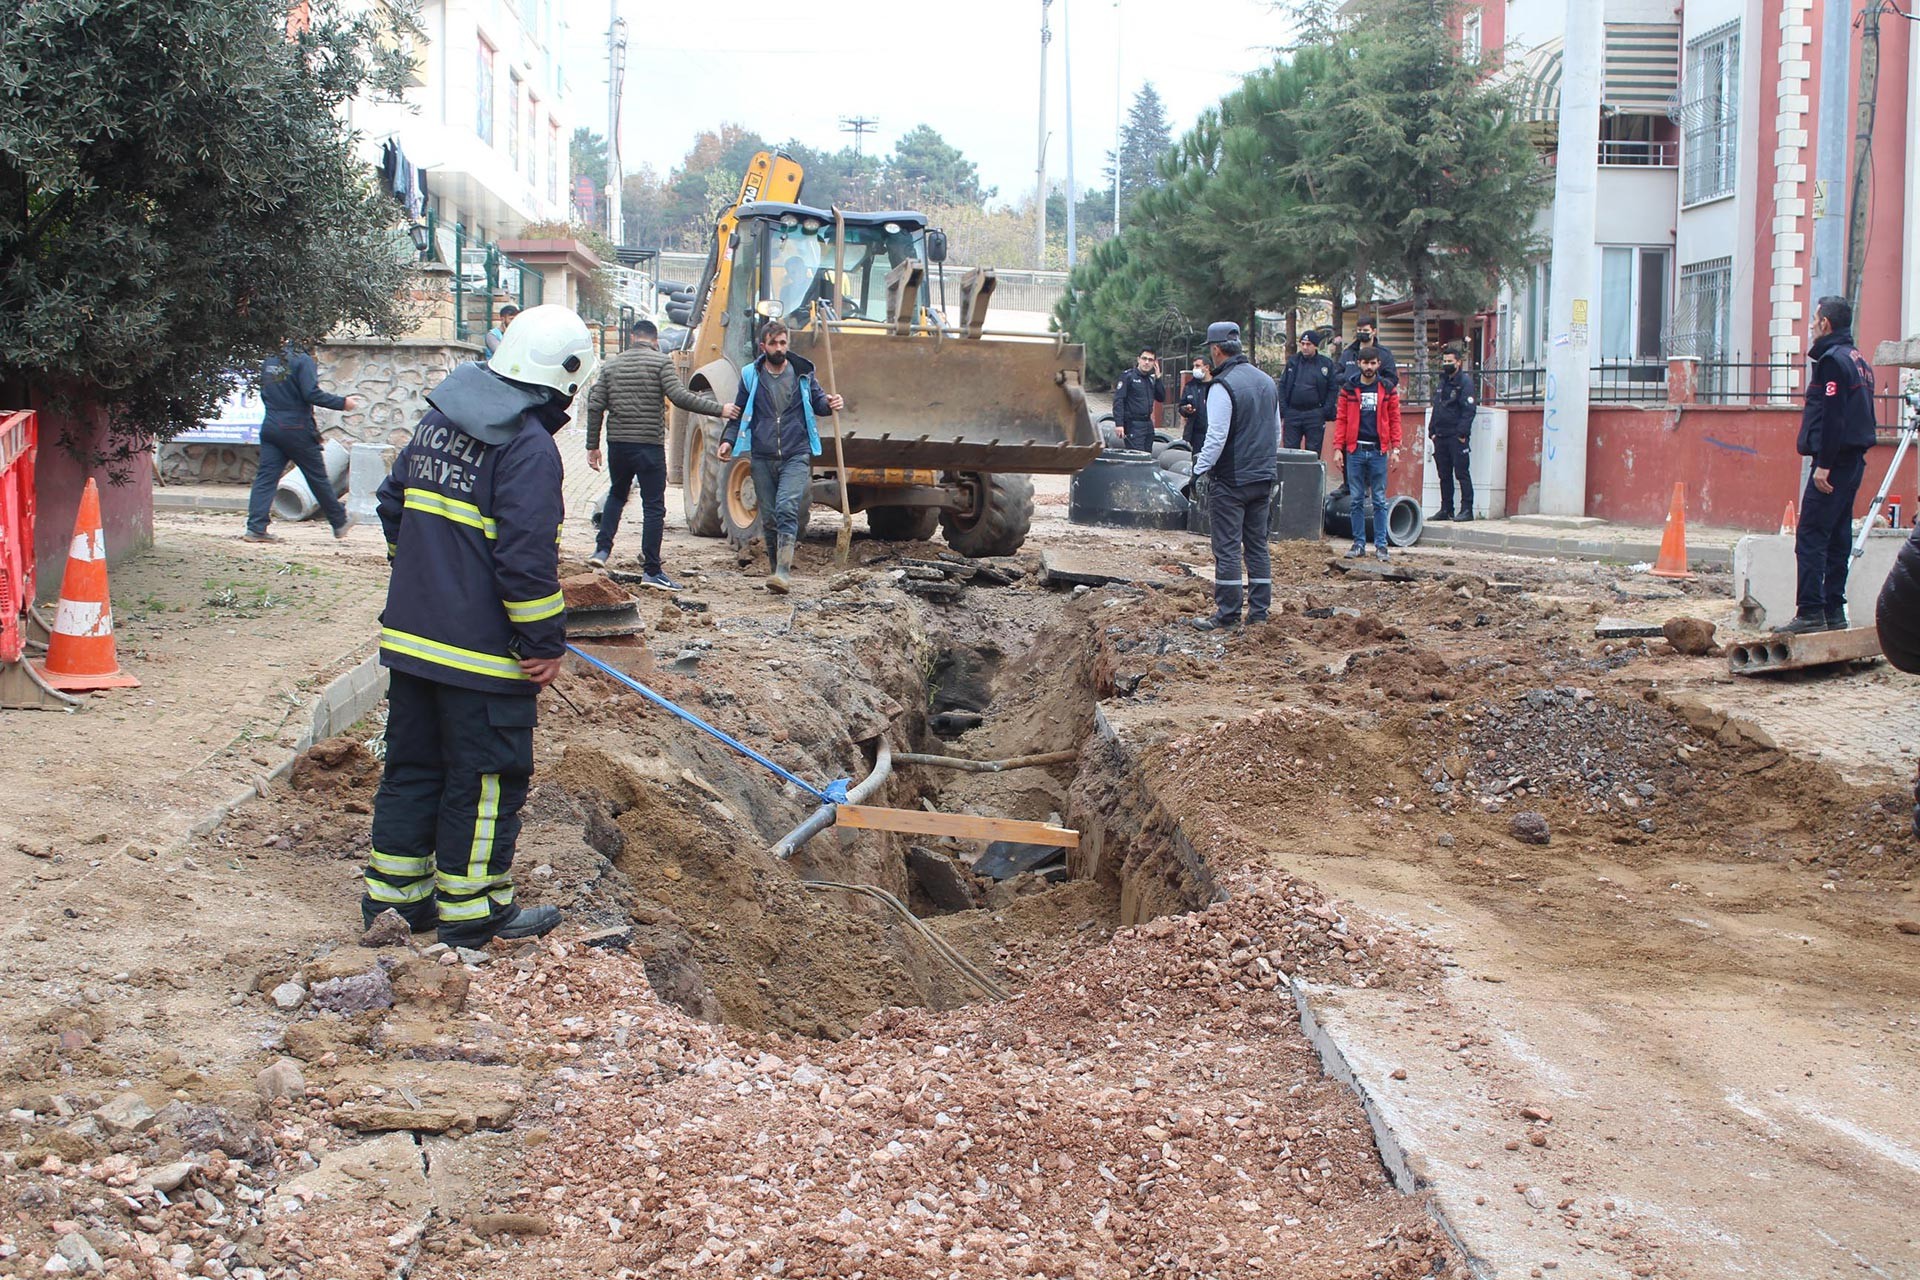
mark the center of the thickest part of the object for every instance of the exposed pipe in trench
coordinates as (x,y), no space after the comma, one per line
(989,766)
(822,818)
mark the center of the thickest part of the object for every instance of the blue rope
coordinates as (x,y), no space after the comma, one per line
(836,791)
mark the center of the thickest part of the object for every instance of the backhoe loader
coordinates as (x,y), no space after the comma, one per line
(946,420)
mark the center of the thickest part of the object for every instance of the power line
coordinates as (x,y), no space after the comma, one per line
(859,127)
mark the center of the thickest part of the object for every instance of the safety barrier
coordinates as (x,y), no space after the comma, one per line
(20,685)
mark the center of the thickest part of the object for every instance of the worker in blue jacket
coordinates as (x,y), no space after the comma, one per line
(290,392)
(778,401)
(475,626)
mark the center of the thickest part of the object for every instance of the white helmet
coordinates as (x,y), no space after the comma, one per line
(545,347)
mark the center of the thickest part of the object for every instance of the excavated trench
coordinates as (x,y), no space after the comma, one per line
(732,933)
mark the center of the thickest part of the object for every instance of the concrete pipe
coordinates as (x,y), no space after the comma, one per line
(1405,520)
(294,499)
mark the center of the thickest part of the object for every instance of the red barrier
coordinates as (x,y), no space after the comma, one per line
(19,436)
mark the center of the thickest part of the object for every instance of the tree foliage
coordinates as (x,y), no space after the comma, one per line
(178,197)
(931,170)
(1370,156)
(587,153)
(1144,139)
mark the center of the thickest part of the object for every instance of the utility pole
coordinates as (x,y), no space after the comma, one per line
(1118,158)
(1576,176)
(859,127)
(1040,164)
(1066,58)
(1858,205)
(1830,158)
(616,82)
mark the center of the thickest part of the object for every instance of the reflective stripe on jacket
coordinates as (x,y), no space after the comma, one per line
(473,531)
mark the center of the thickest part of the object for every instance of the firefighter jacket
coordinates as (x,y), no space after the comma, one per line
(472,513)
(1838,418)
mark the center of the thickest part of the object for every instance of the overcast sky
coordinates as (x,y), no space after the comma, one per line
(969,69)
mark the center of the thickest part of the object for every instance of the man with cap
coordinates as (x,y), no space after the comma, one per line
(1236,469)
(1367,334)
(1309,391)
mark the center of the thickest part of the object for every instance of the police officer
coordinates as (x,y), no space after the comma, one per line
(1367,334)
(474,628)
(1451,428)
(1309,391)
(1836,430)
(1134,396)
(1237,466)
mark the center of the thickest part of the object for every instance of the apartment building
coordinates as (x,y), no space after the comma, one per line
(1706,193)
(487,117)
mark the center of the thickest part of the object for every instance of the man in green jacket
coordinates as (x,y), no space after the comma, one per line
(629,395)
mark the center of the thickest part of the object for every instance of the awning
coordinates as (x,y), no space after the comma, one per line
(1642,72)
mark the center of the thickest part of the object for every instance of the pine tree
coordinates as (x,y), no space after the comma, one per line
(1145,138)
(927,169)
(1416,170)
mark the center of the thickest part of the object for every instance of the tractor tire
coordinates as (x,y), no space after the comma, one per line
(903,524)
(676,444)
(1001,524)
(702,474)
(740,504)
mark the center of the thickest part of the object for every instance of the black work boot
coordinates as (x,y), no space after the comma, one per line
(1803,624)
(1837,619)
(418,915)
(515,922)
(1218,622)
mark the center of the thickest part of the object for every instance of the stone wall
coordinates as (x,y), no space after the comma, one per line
(390,378)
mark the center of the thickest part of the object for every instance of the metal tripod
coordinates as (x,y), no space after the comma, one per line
(1909,431)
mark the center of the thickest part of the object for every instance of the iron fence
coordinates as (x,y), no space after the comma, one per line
(1716,382)
(482,278)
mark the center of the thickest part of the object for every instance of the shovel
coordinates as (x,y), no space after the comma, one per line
(842,545)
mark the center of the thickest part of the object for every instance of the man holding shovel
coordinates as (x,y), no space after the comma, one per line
(776,407)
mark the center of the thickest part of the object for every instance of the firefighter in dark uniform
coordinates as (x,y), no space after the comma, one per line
(1451,429)
(1836,430)
(474,628)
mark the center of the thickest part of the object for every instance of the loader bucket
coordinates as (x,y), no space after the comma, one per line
(954,404)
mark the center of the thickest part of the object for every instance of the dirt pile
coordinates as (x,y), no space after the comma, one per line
(1147,1110)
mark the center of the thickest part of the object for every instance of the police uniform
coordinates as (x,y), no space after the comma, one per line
(1836,430)
(1452,431)
(472,513)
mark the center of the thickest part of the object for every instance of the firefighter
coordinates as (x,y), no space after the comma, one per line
(474,628)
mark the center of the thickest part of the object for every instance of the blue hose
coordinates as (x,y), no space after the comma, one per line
(835,792)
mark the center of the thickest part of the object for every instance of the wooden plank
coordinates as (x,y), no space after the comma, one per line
(963,826)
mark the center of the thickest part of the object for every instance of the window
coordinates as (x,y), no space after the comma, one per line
(1703,324)
(553,161)
(532,140)
(483,94)
(1710,113)
(1633,308)
(1470,36)
(513,119)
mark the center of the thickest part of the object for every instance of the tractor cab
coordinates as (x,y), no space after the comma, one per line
(783,268)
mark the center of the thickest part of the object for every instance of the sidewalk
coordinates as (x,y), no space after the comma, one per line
(1598,540)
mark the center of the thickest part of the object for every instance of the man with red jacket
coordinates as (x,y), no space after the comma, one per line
(1366,426)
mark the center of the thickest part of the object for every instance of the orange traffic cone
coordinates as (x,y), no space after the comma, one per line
(1672,561)
(1788,524)
(80,655)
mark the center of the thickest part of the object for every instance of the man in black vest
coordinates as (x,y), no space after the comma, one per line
(1134,396)
(1836,430)
(1236,467)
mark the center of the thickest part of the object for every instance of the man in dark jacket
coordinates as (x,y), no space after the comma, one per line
(1193,403)
(1134,396)
(1451,428)
(1309,389)
(778,400)
(474,628)
(1367,334)
(1836,430)
(290,389)
(1897,618)
(1237,466)
(630,395)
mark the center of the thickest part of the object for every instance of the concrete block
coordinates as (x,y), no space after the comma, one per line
(1797,653)
(1795,172)
(1903,354)
(1790,208)
(1799,69)
(1794,102)
(1764,573)
(1785,189)
(367,466)
(1785,121)
(1777,327)
(1791,242)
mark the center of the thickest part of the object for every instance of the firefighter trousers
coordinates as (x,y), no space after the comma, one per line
(448,810)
